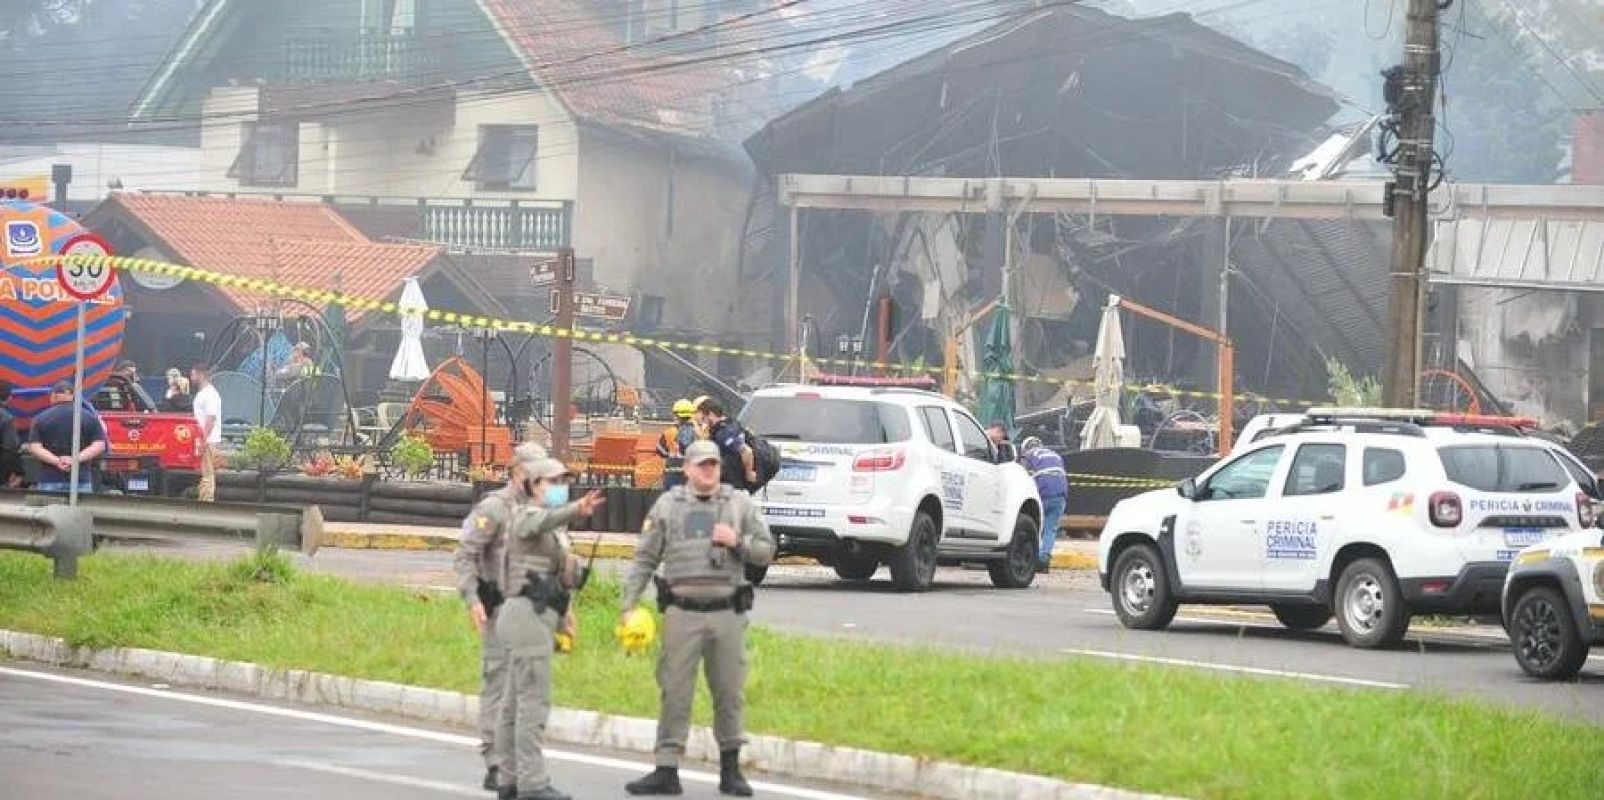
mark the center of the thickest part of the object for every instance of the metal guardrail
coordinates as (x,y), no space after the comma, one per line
(151,518)
(57,532)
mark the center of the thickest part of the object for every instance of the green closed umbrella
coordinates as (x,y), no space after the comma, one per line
(997,364)
(329,357)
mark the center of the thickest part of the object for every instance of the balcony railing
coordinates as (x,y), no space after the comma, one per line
(460,224)
(510,225)
(322,55)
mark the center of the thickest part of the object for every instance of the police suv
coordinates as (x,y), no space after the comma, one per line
(1370,515)
(894,476)
(1554,604)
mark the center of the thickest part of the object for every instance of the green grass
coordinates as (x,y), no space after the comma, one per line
(1148,728)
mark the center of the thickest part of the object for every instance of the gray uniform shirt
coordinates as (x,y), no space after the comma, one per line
(483,538)
(677,537)
(537,541)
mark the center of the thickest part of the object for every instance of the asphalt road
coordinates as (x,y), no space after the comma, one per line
(66,735)
(1066,613)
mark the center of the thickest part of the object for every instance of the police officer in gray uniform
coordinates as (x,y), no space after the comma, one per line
(538,575)
(478,566)
(702,534)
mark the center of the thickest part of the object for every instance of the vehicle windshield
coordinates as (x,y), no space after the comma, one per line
(826,421)
(1503,468)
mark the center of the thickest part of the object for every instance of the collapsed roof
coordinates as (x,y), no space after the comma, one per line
(1060,91)
(1069,91)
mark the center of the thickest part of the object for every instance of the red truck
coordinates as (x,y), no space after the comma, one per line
(140,439)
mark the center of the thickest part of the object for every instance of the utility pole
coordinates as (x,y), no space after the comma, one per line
(562,354)
(1411,94)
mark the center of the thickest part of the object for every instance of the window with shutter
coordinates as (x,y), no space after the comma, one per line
(505,159)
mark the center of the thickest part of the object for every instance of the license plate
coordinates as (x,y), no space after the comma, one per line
(1524,537)
(797,473)
(138,484)
(793,513)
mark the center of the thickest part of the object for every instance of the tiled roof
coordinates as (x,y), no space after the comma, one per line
(572,51)
(296,243)
(364,269)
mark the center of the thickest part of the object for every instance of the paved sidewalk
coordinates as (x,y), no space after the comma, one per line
(1069,554)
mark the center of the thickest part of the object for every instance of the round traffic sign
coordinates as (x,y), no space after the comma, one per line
(81,280)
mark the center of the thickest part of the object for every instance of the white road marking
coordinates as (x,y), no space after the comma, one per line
(398,780)
(1273,673)
(603,762)
(1480,636)
(1230,623)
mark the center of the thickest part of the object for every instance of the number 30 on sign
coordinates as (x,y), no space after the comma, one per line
(85,281)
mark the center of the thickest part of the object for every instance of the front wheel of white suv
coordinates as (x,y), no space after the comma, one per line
(1018,570)
(1369,608)
(1142,597)
(1544,636)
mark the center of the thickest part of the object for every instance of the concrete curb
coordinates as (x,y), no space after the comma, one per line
(871,770)
(348,539)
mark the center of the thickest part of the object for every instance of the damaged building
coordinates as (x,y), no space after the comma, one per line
(1073,92)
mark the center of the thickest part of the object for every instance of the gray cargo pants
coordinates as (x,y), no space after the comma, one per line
(493,670)
(521,727)
(718,639)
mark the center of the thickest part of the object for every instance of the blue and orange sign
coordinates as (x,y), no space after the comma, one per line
(38,318)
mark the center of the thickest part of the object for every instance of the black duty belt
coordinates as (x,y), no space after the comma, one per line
(740,602)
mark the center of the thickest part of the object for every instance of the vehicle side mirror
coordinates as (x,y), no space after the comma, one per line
(1187,489)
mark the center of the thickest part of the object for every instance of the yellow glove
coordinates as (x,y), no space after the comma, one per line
(637,631)
(565,643)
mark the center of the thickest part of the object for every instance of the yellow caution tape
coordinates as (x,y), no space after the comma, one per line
(358,303)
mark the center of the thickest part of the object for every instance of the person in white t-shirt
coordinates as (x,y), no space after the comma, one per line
(208,406)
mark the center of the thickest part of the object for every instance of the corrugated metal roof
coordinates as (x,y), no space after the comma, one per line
(1328,278)
(1560,253)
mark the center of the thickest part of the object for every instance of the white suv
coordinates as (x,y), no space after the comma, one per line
(897,476)
(1370,517)
(1554,604)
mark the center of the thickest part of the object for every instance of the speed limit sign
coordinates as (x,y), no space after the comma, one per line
(85,281)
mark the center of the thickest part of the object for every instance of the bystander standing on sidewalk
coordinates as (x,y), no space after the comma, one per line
(10,442)
(209,416)
(50,441)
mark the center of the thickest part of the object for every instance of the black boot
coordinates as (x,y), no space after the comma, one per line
(491,781)
(663,780)
(730,780)
(548,793)
(507,793)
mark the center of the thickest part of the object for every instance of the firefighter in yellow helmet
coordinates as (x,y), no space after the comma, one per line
(674,439)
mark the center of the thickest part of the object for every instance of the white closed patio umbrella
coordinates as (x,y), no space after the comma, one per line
(409,363)
(1108,380)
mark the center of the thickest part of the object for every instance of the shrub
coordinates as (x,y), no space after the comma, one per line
(413,455)
(1348,390)
(265,450)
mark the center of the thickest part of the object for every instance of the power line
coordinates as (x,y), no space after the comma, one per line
(399,98)
(1097,37)
(1520,19)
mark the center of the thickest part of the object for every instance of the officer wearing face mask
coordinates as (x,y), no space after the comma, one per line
(537,575)
(478,567)
(702,534)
